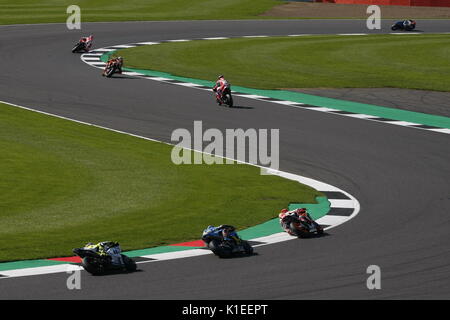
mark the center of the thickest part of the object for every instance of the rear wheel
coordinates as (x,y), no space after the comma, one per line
(219,249)
(93,266)
(298,231)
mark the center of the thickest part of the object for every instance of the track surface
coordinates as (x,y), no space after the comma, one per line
(401,176)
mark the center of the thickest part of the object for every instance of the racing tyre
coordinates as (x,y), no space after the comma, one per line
(130,264)
(219,249)
(92,266)
(76,48)
(318,228)
(110,72)
(248,248)
(229,100)
(299,233)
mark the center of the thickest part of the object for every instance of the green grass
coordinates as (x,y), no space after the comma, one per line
(376,61)
(63,184)
(32,11)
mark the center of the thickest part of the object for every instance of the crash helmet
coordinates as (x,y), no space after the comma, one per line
(220,77)
(227,230)
(407,23)
(284,210)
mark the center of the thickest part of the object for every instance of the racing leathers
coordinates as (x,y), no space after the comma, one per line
(108,248)
(87,42)
(287,217)
(219,88)
(222,232)
(119,63)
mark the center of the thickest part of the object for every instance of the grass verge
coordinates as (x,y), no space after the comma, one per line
(49,11)
(375,61)
(64,183)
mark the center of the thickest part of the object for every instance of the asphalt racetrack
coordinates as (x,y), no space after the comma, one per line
(401,176)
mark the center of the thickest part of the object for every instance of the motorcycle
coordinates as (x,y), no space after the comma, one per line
(83,45)
(400,25)
(302,226)
(110,69)
(97,264)
(224,97)
(233,245)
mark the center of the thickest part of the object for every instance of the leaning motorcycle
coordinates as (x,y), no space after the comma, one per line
(222,248)
(304,227)
(79,47)
(110,69)
(97,264)
(399,25)
(83,45)
(225,97)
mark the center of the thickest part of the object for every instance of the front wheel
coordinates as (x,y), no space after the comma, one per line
(298,231)
(76,48)
(318,228)
(130,264)
(109,72)
(247,247)
(229,100)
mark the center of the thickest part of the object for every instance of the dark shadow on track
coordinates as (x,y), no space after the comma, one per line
(116,272)
(242,107)
(123,77)
(238,256)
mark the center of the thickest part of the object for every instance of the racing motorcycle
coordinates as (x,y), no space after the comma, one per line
(402,25)
(224,97)
(233,245)
(303,226)
(97,264)
(83,45)
(111,68)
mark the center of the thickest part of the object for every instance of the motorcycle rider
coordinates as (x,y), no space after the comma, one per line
(408,24)
(118,61)
(87,42)
(286,217)
(219,87)
(107,248)
(224,231)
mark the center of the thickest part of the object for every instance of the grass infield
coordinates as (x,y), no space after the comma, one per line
(64,183)
(54,11)
(375,61)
